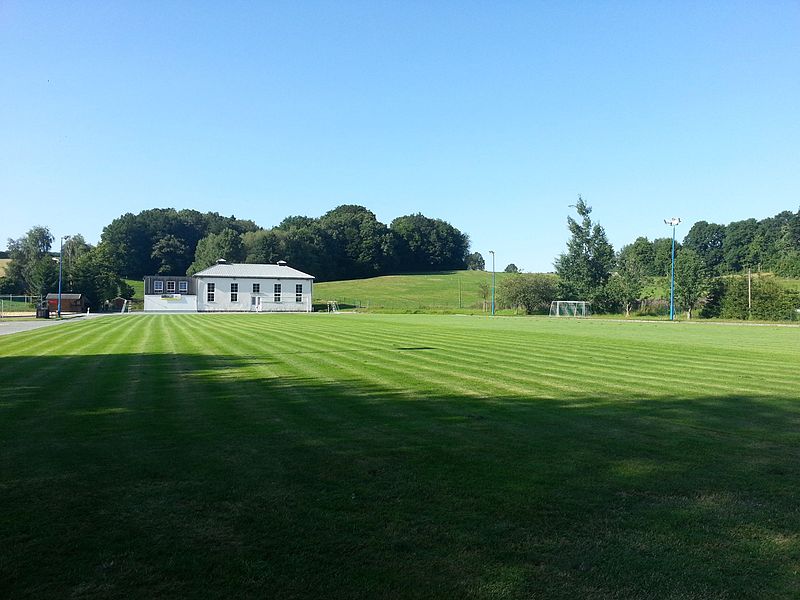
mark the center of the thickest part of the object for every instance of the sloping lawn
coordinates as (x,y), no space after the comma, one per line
(448,290)
(381,456)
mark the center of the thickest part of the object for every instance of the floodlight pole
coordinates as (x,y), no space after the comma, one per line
(673,222)
(61,271)
(492,253)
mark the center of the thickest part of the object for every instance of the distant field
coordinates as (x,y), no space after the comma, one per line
(445,290)
(137,302)
(455,291)
(138,288)
(3,263)
(366,456)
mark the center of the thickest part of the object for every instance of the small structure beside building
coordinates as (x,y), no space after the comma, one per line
(170,293)
(232,287)
(69,302)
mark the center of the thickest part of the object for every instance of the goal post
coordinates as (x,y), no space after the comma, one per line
(569,308)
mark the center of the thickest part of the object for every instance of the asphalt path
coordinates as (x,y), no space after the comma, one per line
(11,325)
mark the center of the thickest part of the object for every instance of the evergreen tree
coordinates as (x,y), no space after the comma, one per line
(586,266)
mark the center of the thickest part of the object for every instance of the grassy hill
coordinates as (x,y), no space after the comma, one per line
(3,264)
(447,290)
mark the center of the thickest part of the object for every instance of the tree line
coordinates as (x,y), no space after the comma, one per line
(709,269)
(347,242)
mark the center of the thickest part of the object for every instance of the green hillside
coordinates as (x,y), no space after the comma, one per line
(447,290)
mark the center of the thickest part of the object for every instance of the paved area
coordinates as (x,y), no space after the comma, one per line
(11,325)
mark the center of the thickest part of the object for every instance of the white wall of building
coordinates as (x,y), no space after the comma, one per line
(248,300)
(175,303)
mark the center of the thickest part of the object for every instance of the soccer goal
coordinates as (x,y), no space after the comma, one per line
(569,308)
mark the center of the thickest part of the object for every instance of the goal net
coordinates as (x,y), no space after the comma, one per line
(569,308)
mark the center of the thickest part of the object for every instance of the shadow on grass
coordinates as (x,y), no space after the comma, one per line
(190,475)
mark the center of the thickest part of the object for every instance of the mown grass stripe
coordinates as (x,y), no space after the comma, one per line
(353,456)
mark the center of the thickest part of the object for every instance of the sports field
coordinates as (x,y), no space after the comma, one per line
(399,456)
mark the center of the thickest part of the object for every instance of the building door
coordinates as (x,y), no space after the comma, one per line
(255,303)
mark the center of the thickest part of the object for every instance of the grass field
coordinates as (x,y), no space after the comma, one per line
(138,288)
(3,264)
(448,290)
(399,456)
(13,307)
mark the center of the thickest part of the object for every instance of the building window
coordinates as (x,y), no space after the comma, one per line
(210,288)
(256,288)
(158,287)
(183,286)
(298,292)
(277,292)
(234,292)
(171,287)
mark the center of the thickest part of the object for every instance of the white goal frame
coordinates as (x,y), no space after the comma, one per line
(569,308)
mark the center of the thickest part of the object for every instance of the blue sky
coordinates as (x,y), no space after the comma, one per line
(493,116)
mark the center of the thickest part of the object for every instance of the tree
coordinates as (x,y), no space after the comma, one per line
(96,280)
(225,245)
(475,262)
(484,290)
(429,244)
(768,300)
(788,247)
(626,286)
(132,239)
(360,245)
(32,270)
(172,254)
(662,256)
(75,247)
(737,250)
(691,280)
(707,240)
(512,268)
(530,292)
(586,266)
(641,253)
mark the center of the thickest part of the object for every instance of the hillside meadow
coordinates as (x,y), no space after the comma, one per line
(446,290)
(398,456)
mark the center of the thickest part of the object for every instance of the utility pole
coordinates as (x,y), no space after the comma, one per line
(673,222)
(492,253)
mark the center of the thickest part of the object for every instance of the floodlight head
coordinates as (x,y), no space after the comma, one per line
(491,251)
(66,237)
(673,221)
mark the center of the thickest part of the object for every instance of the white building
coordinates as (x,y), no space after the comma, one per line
(230,287)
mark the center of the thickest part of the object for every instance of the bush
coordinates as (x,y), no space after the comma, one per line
(770,301)
(530,292)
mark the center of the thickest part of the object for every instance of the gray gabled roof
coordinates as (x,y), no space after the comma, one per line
(64,296)
(253,270)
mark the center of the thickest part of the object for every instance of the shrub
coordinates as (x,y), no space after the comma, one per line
(530,292)
(769,301)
